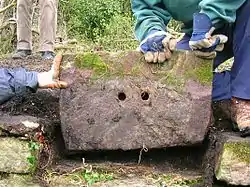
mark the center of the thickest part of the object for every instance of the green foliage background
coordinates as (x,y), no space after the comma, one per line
(107,23)
(95,24)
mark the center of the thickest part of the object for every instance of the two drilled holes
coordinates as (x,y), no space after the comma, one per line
(122,96)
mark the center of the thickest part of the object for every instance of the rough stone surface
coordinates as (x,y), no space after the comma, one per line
(127,104)
(13,156)
(17,181)
(129,182)
(233,165)
(19,125)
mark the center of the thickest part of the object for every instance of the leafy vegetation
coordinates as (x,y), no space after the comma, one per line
(106,23)
(101,24)
(91,177)
(178,181)
(32,159)
(83,176)
(87,18)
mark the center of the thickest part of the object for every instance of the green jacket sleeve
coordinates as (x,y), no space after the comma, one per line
(149,14)
(221,11)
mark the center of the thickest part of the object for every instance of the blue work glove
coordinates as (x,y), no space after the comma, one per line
(157,46)
(202,41)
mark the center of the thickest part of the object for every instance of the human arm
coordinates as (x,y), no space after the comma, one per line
(152,18)
(16,82)
(19,81)
(213,15)
(150,15)
(221,11)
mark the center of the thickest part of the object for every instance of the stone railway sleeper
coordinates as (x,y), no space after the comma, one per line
(118,103)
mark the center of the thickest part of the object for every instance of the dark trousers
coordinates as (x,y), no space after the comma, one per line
(16,82)
(236,82)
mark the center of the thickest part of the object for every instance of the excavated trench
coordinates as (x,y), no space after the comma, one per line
(196,160)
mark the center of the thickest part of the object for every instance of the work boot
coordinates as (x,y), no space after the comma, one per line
(48,55)
(21,53)
(241,115)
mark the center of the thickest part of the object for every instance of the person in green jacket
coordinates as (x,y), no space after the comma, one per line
(217,29)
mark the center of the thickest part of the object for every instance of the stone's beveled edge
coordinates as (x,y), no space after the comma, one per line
(19,125)
(182,66)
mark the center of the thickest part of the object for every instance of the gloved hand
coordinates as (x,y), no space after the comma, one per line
(204,44)
(158,46)
(50,79)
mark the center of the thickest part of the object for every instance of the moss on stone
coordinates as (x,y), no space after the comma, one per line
(32,159)
(103,69)
(115,65)
(136,70)
(171,80)
(241,150)
(203,73)
(13,155)
(178,180)
(233,151)
(233,163)
(92,61)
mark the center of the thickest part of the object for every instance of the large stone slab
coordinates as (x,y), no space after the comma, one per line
(117,101)
(233,164)
(14,156)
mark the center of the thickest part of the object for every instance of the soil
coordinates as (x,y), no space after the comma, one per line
(32,63)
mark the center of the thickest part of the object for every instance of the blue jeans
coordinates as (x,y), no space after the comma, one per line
(16,82)
(236,82)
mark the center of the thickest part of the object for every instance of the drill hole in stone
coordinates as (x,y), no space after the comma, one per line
(145,96)
(122,96)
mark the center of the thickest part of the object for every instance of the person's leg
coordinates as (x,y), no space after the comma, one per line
(24,33)
(221,90)
(221,81)
(241,70)
(48,22)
